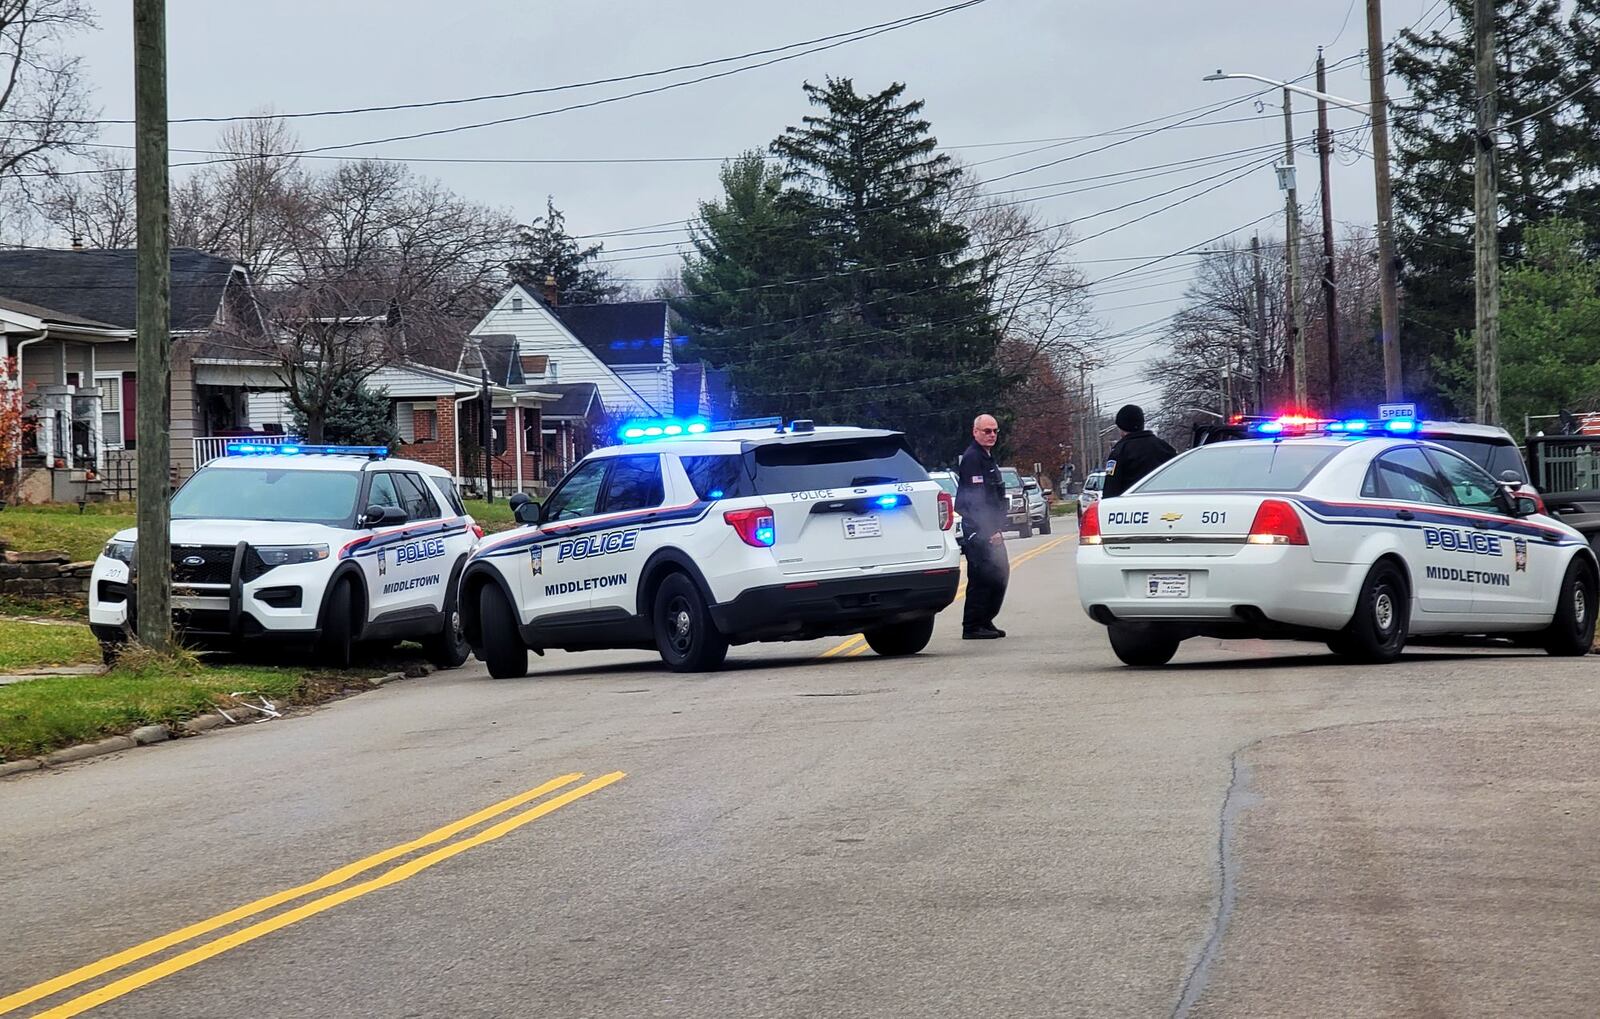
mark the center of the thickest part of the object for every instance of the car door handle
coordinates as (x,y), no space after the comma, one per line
(1404,515)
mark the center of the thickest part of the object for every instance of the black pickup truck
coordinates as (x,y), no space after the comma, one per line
(1566,470)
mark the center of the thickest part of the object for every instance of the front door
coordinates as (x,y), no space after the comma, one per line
(561,583)
(622,543)
(1418,502)
(1504,586)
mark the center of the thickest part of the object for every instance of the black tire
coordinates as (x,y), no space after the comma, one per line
(1044,525)
(448,649)
(897,639)
(1572,631)
(1026,530)
(503,650)
(1340,645)
(336,647)
(685,635)
(1143,644)
(1376,632)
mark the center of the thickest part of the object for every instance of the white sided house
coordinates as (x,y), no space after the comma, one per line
(625,350)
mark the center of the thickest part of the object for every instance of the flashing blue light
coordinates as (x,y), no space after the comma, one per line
(715,493)
(1270,427)
(303,449)
(1401,426)
(1355,425)
(767,536)
(1336,426)
(662,428)
(887,501)
(695,428)
(633,433)
(673,429)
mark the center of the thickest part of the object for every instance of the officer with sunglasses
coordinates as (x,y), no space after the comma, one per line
(981,501)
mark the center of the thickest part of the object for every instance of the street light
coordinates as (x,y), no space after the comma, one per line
(1388,287)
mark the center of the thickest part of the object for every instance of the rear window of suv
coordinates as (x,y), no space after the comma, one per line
(826,464)
(1494,457)
(1239,466)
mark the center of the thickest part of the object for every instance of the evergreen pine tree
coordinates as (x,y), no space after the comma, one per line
(1433,183)
(548,250)
(354,415)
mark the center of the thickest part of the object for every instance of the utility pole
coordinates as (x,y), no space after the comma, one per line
(1389,297)
(1296,317)
(1261,328)
(1330,293)
(1486,231)
(153,558)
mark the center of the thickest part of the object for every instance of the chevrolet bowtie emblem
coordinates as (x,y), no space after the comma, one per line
(1170,517)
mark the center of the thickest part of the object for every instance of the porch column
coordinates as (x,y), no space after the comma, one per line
(516,439)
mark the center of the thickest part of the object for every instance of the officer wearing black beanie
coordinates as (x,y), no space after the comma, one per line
(1136,454)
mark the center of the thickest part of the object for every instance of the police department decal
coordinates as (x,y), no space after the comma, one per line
(1111,467)
(536,559)
(383,561)
(1520,545)
(591,546)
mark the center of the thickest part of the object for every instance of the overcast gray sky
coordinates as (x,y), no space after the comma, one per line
(1004,71)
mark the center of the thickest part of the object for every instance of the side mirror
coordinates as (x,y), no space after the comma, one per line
(525,509)
(377,515)
(1524,506)
(1511,477)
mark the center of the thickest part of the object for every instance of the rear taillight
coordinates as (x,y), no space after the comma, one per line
(1277,523)
(477,531)
(1089,526)
(755,526)
(947,511)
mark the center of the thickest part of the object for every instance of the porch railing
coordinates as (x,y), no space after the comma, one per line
(212,447)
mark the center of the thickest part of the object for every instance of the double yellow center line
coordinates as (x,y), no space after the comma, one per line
(332,879)
(857,645)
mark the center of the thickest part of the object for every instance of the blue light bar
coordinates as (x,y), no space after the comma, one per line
(740,424)
(671,428)
(1270,427)
(302,449)
(1400,426)
(887,501)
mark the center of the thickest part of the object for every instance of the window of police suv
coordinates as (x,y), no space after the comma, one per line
(784,467)
(1495,457)
(1241,466)
(265,493)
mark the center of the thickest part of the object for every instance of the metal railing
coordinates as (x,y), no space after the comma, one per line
(212,447)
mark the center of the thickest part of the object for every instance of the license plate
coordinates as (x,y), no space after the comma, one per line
(1167,585)
(862,527)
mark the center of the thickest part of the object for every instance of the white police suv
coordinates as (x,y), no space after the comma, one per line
(688,538)
(330,545)
(1355,533)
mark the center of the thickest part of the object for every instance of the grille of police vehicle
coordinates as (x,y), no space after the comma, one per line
(1351,532)
(329,545)
(688,537)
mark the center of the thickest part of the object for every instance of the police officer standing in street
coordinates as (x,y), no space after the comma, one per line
(981,501)
(1136,454)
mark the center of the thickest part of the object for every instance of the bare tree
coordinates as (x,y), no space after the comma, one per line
(254,205)
(44,98)
(96,208)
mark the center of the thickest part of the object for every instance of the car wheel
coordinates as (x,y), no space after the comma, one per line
(1377,631)
(1026,530)
(1044,525)
(685,635)
(448,649)
(503,650)
(1572,630)
(898,639)
(1143,644)
(338,627)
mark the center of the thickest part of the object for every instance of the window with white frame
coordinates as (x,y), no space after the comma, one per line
(110,384)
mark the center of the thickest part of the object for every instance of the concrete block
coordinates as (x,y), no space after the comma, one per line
(200,723)
(147,734)
(38,557)
(18,767)
(87,750)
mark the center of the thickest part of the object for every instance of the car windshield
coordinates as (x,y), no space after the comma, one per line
(1011,476)
(1494,457)
(1241,466)
(269,493)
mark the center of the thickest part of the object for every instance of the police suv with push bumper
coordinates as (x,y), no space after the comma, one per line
(329,545)
(1351,532)
(690,537)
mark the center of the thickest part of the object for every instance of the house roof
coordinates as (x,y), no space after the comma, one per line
(51,315)
(499,358)
(100,284)
(576,399)
(626,333)
(687,384)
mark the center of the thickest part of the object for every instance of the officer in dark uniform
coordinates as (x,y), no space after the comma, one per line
(981,501)
(1136,454)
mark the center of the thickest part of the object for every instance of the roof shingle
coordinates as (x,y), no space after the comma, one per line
(628,333)
(100,285)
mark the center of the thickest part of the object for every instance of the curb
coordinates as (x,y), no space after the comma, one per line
(147,735)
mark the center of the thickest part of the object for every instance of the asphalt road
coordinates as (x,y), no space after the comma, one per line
(1008,828)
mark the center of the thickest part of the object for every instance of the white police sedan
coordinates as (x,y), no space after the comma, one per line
(1363,539)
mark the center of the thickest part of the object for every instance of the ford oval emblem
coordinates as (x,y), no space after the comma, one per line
(194,560)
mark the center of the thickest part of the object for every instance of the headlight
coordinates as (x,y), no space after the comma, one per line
(122,551)
(285,555)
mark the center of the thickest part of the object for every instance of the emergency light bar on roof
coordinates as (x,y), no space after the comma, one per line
(303,449)
(672,428)
(1294,424)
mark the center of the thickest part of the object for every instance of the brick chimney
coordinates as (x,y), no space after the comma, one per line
(77,242)
(552,293)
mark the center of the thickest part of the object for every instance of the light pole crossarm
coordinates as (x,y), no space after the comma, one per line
(1350,104)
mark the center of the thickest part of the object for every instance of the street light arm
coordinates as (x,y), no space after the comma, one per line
(1313,93)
